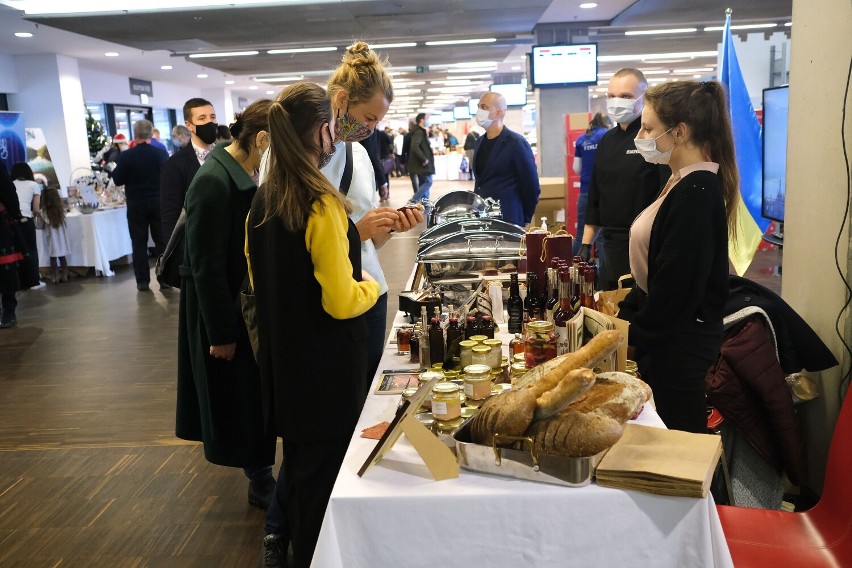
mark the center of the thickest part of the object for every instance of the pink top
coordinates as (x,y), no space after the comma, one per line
(640,230)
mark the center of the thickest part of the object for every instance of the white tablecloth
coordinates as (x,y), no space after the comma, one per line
(95,239)
(397,515)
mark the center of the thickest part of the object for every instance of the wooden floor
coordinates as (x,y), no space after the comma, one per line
(90,471)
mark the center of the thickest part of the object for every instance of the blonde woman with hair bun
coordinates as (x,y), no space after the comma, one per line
(360,91)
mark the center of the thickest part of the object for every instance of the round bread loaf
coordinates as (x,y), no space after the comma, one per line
(575,434)
(509,413)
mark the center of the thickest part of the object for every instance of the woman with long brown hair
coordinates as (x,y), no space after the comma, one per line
(679,247)
(311,295)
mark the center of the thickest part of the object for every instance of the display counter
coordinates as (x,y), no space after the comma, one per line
(398,515)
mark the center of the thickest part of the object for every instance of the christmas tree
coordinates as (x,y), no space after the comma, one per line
(97,136)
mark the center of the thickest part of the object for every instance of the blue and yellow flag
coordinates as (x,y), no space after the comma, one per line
(748,145)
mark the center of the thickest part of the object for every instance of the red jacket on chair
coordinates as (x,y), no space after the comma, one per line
(747,386)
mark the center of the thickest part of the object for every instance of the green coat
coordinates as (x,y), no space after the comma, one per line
(218,401)
(420,150)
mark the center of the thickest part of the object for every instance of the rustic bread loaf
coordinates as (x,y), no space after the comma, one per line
(575,434)
(617,395)
(508,413)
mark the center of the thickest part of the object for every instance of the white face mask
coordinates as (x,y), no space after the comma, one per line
(648,148)
(482,118)
(621,110)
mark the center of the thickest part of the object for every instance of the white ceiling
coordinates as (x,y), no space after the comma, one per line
(147,40)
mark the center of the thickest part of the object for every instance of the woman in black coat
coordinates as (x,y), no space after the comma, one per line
(15,259)
(218,395)
(679,247)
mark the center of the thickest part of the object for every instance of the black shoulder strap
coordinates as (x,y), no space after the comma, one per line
(346,180)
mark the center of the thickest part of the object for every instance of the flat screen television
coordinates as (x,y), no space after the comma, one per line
(775,110)
(514,93)
(461,112)
(473,106)
(564,65)
(447,116)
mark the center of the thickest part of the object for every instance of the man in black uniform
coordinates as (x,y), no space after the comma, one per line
(623,183)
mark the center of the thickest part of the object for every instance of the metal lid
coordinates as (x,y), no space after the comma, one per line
(493,342)
(451,374)
(518,358)
(427,376)
(445,388)
(481,349)
(540,326)
(478,338)
(467,343)
(477,369)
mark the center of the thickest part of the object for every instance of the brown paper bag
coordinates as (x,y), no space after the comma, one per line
(608,299)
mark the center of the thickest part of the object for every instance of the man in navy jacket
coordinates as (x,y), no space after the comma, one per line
(503,163)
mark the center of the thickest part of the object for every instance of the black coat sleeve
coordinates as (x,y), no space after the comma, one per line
(173,185)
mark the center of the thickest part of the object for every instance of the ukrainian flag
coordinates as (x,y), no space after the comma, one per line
(748,145)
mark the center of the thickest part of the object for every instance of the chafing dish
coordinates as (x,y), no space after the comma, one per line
(470,255)
(462,204)
(467,225)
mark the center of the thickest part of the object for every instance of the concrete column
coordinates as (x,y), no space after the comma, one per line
(816,200)
(552,106)
(50,95)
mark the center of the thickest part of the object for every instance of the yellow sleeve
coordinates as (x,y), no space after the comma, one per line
(343,297)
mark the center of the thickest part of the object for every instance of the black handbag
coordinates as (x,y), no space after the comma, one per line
(167,269)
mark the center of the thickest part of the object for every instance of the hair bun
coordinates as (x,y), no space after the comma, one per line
(237,126)
(359,54)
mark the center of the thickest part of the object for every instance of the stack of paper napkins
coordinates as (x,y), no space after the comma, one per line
(665,462)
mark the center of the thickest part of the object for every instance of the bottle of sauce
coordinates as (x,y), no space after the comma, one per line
(553,288)
(515,305)
(532,304)
(486,328)
(437,348)
(516,346)
(471,328)
(588,294)
(564,312)
(454,332)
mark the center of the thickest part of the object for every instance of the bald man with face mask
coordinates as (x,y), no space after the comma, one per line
(503,163)
(623,183)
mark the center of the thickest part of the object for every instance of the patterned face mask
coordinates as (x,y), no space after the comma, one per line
(349,129)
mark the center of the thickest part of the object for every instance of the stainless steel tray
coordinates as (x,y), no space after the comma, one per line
(523,464)
(467,225)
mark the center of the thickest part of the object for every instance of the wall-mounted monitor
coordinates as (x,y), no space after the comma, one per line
(448,116)
(564,65)
(514,93)
(775,109)
(461,113)
(473,106)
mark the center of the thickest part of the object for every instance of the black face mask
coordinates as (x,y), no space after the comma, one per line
(207,132)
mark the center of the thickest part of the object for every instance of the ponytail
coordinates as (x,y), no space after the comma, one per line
(294,182)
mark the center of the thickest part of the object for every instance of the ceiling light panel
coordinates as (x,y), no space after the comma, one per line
(300,50)
(222,54)
(660,32)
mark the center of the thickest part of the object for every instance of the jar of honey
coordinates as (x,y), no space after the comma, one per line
(481,355)
(446,401)
(496,355)
(477,382)
(466,352)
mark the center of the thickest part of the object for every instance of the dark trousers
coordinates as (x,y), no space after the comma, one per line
(616,259)
(376,338)
(676,374)
(420,183)
(9,303)
(142,215)
(310,469)
(28,231)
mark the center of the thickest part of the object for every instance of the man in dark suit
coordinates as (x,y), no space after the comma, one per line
(503,163)
(138,170)
(200,118)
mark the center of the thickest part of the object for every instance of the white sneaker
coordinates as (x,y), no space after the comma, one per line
(40,286)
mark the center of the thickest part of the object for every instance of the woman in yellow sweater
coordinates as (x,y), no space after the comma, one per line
(310,295)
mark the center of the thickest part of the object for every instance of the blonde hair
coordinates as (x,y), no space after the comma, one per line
(294,182)
(361,74)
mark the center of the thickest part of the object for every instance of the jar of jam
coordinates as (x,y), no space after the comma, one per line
(496,354)
(539,343)
(477,382)
(424,378)
(466,352)
(446,402)
(481,355)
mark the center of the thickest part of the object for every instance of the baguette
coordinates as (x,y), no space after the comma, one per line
(571,387)
(575,434)
(508,413)
(589,355)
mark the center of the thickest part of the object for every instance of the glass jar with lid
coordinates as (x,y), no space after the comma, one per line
(424,378)
(481,355)
(496,354)
(466,352)
(517,371)
(477,382)
(539,343)
(446,402)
